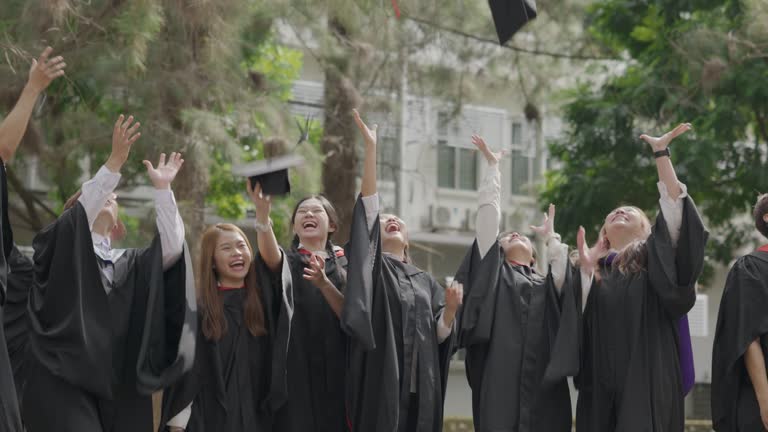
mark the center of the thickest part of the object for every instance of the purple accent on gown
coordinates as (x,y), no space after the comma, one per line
(685,349)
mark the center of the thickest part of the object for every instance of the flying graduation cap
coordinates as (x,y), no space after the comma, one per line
(272,173)
(509,16)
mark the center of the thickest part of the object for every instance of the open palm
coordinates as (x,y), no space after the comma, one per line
(662,142)
(369,134)
(547,227)
(162,175)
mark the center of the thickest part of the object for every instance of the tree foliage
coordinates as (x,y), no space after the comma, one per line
(204,77)
(698,61)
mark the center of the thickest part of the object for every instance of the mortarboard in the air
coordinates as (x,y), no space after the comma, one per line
(509,16)
(272,173)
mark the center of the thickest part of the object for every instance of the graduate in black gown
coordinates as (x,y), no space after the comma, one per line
(519,327)
(739,380)
(239,376)
(108,326)
(318,349)
(399,320)
(638,282)
(16,316)
(43,71)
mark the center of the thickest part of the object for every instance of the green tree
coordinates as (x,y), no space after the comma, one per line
(698,61)
(206,78)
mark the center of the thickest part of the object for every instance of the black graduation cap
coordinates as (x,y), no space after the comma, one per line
(510,16)
(272,173)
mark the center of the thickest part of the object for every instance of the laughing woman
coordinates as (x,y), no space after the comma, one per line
(398,318)
(643,285)
(316,362)
(243,329)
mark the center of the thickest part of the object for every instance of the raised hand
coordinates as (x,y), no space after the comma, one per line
(369,135)
(490,156)
(262,202)
(588,257)
(547,227)
(162,176)
(315,272)
(454,295)
(45,70)
(662,142)
(123,137)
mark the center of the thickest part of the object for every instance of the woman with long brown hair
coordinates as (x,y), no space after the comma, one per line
(242,335)
(637,284)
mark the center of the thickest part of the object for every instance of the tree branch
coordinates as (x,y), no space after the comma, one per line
(507,46)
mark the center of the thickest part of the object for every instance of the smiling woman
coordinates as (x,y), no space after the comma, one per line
(317,353)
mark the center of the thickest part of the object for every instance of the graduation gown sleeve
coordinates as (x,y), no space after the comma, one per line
(15,319)
(673,270)
(741,320)
(480,278)
(168,302)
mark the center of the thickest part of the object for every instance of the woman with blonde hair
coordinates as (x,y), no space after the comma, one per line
(638,282)
(242,338)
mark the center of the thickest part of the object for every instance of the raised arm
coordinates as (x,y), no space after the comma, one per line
(588,262)
(99,189)
(169,223)
(265,237)
(671,191)
(42,72)
(489,198)
(557,252)
(368,189)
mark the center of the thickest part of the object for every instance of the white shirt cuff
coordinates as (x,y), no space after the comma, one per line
(558,259)
(182,418)
(443,331)
(371,204)
(586,286)
(672,210)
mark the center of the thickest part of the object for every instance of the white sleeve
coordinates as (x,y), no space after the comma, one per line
(672,210)
(586,286)
(558,259)
(443,331)
(488,210)
(170,226)
(371,204)
(96,192)
(182,418)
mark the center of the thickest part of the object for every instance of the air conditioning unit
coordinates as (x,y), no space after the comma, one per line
(443,217)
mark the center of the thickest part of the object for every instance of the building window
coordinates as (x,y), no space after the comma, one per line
(524,169)
(456,166)
(521,171)
(388,158)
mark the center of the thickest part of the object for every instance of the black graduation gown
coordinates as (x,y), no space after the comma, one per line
(238,381)
(743,317)
(521,340)
(15,317)
(630,376)
(390,311)
(95,358)
(316,354)
(10,418)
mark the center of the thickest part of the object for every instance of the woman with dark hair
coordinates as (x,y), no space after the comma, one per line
(739,379)
(638,283)
(519,327)
(399,320)
(242,337)
(316,363)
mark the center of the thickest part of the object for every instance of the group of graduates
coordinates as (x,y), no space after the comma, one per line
(316,337)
